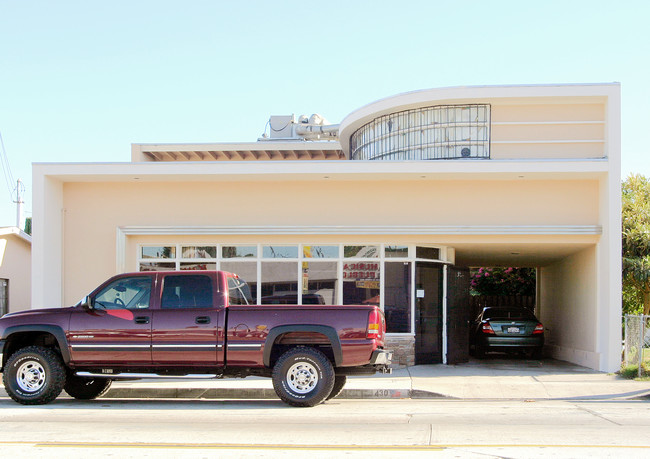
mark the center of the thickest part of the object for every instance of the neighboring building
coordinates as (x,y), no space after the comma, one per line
(417,188)
(15,270)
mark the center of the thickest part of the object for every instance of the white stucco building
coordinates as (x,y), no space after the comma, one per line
(418,187)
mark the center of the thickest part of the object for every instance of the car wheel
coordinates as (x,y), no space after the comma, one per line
(339,383)
(303,376)
(34,375)
(86,388)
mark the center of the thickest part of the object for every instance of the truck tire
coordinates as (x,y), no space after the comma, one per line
(34,375)
(86,388)
(339,383)
(303,376)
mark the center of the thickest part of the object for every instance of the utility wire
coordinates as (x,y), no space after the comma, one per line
(9,178)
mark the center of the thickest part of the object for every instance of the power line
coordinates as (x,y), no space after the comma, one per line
(9,178)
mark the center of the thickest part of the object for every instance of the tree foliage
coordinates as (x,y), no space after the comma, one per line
(636,243)
(503,281)
(28,225)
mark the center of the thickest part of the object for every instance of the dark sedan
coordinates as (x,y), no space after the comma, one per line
(507,330)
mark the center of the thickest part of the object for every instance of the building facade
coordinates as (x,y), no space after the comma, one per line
(417,188)
(15,270)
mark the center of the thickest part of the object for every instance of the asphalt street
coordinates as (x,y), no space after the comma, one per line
(350,428)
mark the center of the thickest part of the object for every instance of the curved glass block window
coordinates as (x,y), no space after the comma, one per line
(437,132)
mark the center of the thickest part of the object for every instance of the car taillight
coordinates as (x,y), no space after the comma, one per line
(374,324)
(487,328)
(539,329)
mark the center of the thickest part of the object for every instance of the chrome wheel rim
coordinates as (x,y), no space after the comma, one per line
(31,376)
(302,377)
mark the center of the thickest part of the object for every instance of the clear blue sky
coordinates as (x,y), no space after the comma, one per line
(82,80)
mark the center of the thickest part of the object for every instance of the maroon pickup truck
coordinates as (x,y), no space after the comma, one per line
(187,325)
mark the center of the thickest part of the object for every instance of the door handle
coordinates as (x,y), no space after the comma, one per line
(142,320)
(202,320)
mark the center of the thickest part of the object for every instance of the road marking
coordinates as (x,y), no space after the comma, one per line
(301,447)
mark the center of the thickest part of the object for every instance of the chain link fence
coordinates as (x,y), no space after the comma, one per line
(637,343)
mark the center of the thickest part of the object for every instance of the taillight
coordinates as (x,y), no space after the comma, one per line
(487,328)
(374,324)
(539,329)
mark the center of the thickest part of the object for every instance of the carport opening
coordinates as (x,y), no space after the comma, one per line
(502,287)
(502,308)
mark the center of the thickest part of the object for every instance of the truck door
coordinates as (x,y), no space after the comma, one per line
(187,328)
(117,330)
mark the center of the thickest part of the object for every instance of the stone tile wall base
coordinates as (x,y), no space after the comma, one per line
(403,348)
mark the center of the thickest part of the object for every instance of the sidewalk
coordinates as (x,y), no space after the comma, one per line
(489,379)
(479,379)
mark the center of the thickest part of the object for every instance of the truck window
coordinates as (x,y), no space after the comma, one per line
(239,292)
(193,291)
(125,293)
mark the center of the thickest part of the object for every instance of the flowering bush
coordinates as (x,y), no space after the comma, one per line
(502,281)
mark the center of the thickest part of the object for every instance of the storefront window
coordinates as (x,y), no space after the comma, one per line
(198,266)
(361,282)
(230,251)
(397,297)
(279,282)
(199,252)
(396,251)
(159,252)
(319,282)
(280,251)
(429,253)
(247,271)
(308,274)
(157,266)
(320,251)
(361,251)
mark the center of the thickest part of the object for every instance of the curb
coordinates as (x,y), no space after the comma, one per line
(254,393)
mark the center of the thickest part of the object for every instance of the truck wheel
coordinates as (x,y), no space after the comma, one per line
(34,375)
(339,383)
(303,376)
(86,388)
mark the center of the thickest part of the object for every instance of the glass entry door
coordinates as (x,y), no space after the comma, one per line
(428,313)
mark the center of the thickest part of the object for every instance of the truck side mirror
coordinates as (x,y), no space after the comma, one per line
(86,302)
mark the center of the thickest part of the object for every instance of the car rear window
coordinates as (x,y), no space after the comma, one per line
(517,314)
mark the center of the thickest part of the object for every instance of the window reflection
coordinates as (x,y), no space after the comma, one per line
(198,266)
(239,251)
(279,282)
(280,251)
(247,271)
(199,252)
(361,283)
(157,266)
(361,251)
(320,251)
(158,252)
(397,299)
(319,282)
